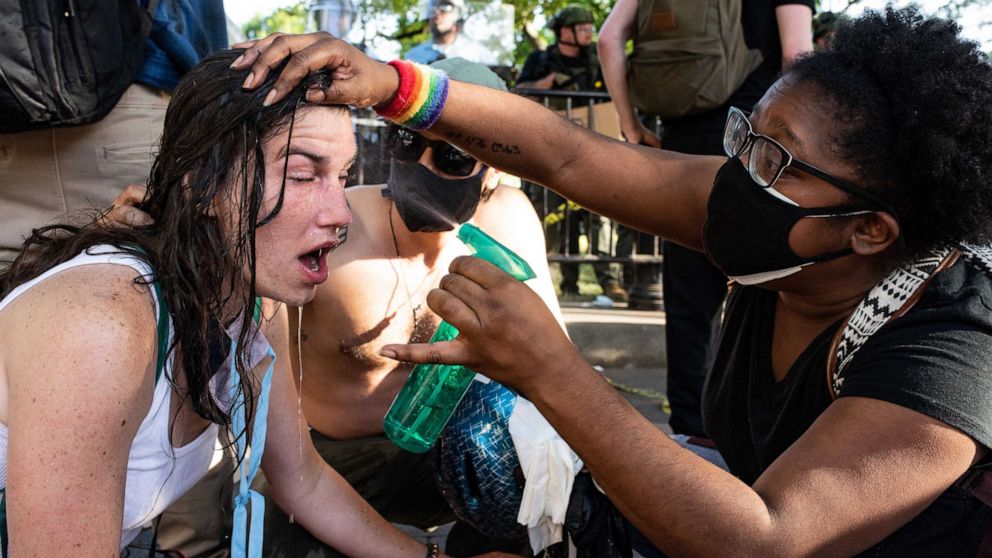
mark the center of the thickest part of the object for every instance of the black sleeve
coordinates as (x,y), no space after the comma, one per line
(533,67)
(937,362)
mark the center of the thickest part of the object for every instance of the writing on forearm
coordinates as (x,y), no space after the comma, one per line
(506,149)
(476,142)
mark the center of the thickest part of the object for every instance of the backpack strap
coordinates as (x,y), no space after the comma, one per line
(891,298)
(3,522)
(980,256)
(162,330)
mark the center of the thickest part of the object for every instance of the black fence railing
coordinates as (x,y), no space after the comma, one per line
(626,263)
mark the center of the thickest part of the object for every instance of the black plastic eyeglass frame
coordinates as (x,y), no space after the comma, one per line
(789,161)
(412,146)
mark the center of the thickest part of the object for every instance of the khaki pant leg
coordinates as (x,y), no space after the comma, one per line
(45,174)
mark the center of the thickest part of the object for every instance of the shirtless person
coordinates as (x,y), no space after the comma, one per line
(399,246)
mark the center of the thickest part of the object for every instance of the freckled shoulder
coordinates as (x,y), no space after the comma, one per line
(80,378)
(94,319)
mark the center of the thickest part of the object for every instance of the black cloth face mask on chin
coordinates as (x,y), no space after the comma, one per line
(746,233)
(430,203)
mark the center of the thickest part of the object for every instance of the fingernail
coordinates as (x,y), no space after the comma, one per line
(237,61)
(249,80)
(388,353)
(269,98)
(315,95)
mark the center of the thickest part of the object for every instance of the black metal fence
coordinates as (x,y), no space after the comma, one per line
(625,262)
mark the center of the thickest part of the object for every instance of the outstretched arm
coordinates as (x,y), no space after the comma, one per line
(308,488)
(862,470)
(655,191)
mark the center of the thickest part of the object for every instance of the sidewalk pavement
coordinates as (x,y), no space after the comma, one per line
(629,345)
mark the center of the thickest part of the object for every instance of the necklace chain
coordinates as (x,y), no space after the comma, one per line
(398,268)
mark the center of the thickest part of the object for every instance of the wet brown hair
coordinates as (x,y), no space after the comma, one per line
(211,149)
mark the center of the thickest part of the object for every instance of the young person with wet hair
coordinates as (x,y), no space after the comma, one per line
(401,242)
(124,349)
(402,239)
(856,190)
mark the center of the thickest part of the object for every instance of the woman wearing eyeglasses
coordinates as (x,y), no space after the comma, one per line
(851,395)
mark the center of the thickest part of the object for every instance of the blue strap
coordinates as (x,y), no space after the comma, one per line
(247,541)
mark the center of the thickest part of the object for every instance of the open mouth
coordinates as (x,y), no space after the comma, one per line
(313,259)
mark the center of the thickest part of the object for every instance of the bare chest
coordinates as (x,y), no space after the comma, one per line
(346,328)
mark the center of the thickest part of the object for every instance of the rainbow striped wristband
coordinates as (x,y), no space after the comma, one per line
(420,97)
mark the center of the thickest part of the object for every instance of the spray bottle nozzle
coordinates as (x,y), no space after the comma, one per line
(487,248)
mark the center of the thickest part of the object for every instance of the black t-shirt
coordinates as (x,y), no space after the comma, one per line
(937,360)
(583,72)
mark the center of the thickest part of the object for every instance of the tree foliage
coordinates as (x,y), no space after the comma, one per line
(291,19)
(529,35)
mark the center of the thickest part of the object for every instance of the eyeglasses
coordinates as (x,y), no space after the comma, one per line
(444,8)
(408,146)
(767,159)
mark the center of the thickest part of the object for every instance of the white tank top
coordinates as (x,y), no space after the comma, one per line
(157,473)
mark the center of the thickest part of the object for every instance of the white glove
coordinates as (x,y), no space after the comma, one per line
(549,466)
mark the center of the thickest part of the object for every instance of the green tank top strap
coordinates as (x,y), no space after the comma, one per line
(257,311)
(3,523)
(162,330)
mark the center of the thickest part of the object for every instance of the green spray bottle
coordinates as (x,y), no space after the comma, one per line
(432,392)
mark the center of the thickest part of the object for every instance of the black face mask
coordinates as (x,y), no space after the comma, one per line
(747,230)
(430,203)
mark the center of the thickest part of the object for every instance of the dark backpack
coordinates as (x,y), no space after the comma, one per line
(67,62)
(689,56)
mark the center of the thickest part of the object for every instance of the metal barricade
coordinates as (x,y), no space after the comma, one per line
(577,236)
(372,155)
